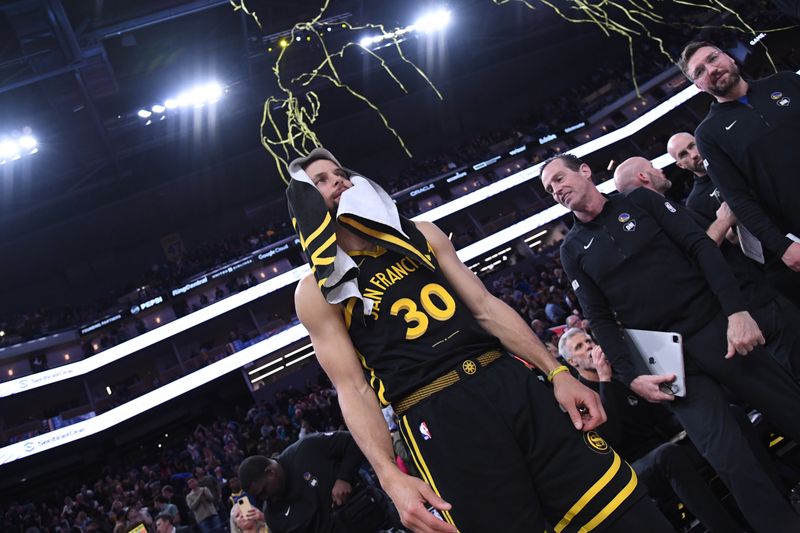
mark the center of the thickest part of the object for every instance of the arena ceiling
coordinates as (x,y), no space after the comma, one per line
(76,72)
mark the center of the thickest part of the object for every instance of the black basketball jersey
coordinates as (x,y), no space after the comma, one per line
(418,330)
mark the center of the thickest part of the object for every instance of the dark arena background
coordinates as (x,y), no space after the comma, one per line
(147,322)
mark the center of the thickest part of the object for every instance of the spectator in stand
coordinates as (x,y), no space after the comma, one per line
(164,524)
(202,503)
(573,321)
(163,506)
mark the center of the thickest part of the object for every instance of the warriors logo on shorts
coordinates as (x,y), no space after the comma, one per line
(596,442)
(469,367)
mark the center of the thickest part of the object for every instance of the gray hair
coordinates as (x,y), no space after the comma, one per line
(563,350)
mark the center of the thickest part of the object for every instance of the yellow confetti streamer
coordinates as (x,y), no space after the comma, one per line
(288,119)
(241,6)
(636,19)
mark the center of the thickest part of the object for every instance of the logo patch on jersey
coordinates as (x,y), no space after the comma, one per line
(424,431)
(669,207)
(629,226)
(623,217)
(783,102)
(469,367)
(575,285)
(776,95)
(633,401)
(596,443)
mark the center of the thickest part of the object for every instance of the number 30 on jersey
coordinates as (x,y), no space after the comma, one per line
(442,310)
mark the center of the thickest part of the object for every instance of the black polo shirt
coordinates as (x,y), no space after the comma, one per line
(642,263)
(751,152)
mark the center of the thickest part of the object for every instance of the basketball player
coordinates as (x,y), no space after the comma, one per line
(496,451)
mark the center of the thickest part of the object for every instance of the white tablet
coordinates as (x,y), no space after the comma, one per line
(662,353)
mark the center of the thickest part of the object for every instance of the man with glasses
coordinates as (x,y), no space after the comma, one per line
(749,142)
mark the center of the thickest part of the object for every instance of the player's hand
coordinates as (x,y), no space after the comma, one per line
(409,495)
(743,334)
(581,403)
(725,215)
(791,257)
(341,492)
(649,387)
(601,364)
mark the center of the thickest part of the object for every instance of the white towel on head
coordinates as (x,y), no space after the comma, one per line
(366,200)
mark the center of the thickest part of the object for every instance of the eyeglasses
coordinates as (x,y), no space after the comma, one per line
(700,70)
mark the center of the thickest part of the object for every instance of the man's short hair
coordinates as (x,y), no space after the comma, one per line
(166,517)
(563,349)
(252,469)
(570,161)
(314,159)
(688,51)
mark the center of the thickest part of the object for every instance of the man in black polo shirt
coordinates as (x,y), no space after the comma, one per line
(749,143)
(637,261)
(775,315)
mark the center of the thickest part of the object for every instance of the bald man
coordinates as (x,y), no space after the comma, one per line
(777,317)
(637,172)
(704,198)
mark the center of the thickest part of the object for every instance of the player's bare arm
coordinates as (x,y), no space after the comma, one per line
(337,356)
(504,323)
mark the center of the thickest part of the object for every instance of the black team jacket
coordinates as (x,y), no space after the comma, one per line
(645,264)
(311,467)
(752,153)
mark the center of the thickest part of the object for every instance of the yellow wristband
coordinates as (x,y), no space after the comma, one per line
(557,370)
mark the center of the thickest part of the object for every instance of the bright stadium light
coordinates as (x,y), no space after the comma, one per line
(213,91)
(8,149)
(28,142)
(434,21)
(366,41)
(197,96)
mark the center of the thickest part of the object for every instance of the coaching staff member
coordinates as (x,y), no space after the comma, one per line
(497,452)
(777,318)
(637,260)
(305,482)
(749,141)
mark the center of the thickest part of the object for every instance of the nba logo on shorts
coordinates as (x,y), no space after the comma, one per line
(423,429)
